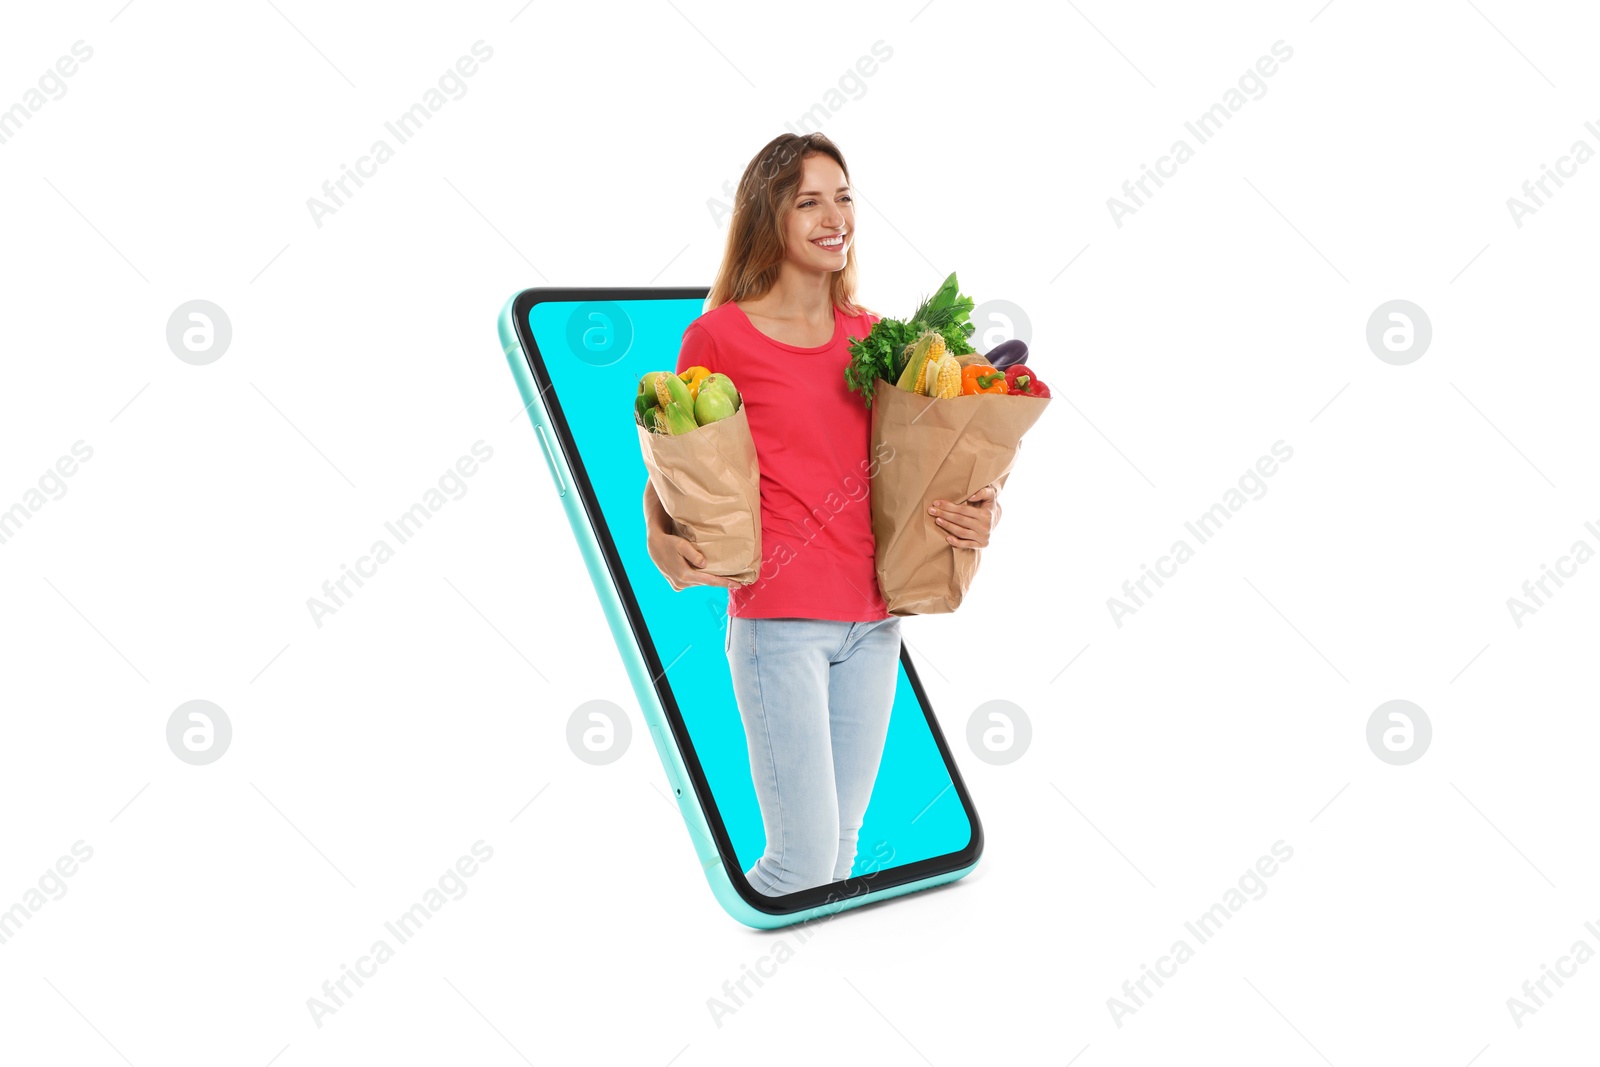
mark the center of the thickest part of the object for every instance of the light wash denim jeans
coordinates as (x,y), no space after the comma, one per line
(815,696)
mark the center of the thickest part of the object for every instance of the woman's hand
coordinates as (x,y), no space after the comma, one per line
(680,561)
(677,558)
(969,525)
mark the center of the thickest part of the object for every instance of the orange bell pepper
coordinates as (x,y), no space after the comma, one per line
(982,378)
(692,377)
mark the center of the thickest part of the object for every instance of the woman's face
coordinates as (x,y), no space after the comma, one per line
(823,208)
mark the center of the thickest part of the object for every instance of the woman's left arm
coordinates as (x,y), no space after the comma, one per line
(969,525)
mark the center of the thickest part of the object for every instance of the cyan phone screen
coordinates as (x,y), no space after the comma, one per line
(595,354)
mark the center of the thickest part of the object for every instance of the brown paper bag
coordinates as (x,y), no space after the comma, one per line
(710,485)
(938,450)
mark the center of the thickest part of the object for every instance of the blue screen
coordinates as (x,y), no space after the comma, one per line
(595,354)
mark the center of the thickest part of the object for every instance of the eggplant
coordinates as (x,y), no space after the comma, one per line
(1007,353)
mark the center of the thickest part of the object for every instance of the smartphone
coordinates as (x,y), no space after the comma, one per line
(577,356)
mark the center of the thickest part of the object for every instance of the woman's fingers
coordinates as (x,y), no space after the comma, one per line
(964,525)
(701,577)
(964,538)
(693,574)
(960,517)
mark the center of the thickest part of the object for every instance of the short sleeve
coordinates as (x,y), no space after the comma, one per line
(698,350)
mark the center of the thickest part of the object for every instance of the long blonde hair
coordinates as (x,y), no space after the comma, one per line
(755,247)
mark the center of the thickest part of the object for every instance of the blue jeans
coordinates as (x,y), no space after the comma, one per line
(815,696)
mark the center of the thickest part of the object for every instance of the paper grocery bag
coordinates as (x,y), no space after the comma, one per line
(710,485)
(940,449)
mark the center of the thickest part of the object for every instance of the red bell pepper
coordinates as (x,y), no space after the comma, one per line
(1019,379)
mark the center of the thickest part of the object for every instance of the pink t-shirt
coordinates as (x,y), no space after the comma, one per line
(813,439)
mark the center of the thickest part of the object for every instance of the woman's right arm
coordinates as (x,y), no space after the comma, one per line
(677,558)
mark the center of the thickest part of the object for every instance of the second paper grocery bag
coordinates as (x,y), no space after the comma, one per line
(710,484)
(942,449)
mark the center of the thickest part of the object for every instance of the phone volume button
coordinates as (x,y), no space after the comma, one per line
(550,460)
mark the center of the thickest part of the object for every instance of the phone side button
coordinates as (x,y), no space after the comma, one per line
(550,460)
(665,748)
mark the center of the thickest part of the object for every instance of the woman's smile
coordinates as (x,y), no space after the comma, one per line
(833,242)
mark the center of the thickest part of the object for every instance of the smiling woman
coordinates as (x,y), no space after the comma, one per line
(777,322)
(813,653)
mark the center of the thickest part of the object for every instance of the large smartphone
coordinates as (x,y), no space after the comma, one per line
(577,356)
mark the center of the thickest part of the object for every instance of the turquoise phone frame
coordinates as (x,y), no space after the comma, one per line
(747,906)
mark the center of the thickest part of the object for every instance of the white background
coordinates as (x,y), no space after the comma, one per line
(1229,713)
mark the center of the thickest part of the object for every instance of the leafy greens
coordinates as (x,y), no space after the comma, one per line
(881,355)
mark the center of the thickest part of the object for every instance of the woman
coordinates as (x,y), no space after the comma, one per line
(812,651)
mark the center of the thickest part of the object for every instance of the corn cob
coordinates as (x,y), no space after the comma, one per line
(675,413)
(944,378)
(935,353)
(672,389)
